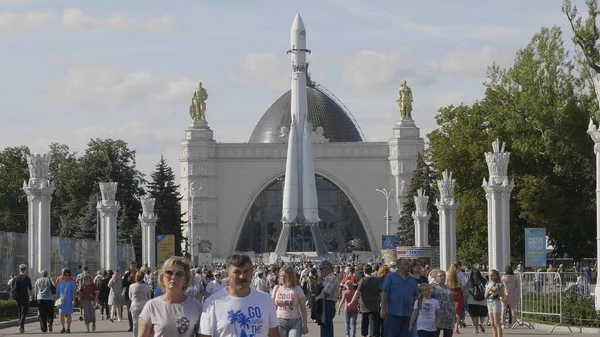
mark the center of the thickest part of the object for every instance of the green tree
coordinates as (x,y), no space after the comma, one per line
(63,169)
(537,107)
(86,224)
(458,146)
(585,33)
(167,207)
(423,178)
(13,201)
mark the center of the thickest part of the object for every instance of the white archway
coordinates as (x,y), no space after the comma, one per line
(326,175)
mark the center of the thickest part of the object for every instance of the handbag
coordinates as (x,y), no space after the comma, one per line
(61,300)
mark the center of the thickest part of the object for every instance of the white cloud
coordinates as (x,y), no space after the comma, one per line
(450,98)
(368,69)
(12,22)
(266,68)
(109,85)
(472,63)
(453,31)
(75,19)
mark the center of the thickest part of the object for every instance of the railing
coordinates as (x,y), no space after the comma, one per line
(541,294)
(551,298)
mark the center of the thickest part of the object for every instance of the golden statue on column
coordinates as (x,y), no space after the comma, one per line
(198,106)
(405,100)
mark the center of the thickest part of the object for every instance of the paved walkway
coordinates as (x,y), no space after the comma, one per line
(119,329)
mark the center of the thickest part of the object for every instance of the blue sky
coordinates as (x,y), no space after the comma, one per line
(75,70)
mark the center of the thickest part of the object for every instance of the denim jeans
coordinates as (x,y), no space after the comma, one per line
(290,327)
(351,316)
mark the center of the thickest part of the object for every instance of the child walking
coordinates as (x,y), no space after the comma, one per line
(426,313)
(350,307)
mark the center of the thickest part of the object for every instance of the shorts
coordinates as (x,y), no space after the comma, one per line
(494,306)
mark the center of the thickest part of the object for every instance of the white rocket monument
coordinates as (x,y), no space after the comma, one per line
(300,207)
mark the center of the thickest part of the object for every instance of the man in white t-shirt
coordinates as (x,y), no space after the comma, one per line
(238,309)
(215,285)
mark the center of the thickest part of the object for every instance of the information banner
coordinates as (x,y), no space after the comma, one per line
(165,248)
(413,252)
(535,247)
(388,249)
(205,246)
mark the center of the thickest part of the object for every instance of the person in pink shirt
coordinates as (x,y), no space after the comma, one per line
(350,307)
(291,304)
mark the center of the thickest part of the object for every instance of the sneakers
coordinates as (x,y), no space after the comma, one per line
(81,318)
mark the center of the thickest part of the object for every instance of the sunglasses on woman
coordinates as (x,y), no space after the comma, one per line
(179,273)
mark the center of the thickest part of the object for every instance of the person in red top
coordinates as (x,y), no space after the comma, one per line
(62,277)
(348,276)
(89,299)
(350,307)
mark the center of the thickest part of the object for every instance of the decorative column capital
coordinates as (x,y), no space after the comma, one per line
(147,210)
(497,162)
(446,186)
(594,134)
(108,190)
(419,217)
(421,201)
(105,208)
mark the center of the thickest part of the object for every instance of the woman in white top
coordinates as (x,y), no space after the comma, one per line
(495,292)
(139,293)
(173,313)
(291,304)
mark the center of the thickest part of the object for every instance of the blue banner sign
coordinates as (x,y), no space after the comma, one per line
(389,242)
(535,247)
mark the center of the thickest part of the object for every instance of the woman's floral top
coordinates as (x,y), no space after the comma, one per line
(444,295)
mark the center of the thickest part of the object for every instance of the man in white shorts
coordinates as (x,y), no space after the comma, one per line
(238,309)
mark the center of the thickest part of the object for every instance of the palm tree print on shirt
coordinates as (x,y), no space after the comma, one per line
(236,317)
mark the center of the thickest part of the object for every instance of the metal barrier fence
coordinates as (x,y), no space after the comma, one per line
(543,297)
(65,253)
(540,294)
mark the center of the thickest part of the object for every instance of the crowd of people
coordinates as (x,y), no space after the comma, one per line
(240,298)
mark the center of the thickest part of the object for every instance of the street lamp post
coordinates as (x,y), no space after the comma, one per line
(387,195)
(192,239)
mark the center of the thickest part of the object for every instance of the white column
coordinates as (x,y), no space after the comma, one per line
(421,218)
(505,193)
(148,222)
(447,213)
(490,236)
(144,233)
(151,244)
(39,191)
(102,229)
(595,134)
(108,211)
(498,189)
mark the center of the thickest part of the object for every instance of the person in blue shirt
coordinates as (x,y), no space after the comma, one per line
(399,291)
(588,273)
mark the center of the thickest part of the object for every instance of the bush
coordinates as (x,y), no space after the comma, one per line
(580,311)
(8,308)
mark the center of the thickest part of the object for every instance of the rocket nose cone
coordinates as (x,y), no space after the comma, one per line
(298,23)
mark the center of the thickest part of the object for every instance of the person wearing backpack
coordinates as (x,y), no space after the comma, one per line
(22,293)
(476,301)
